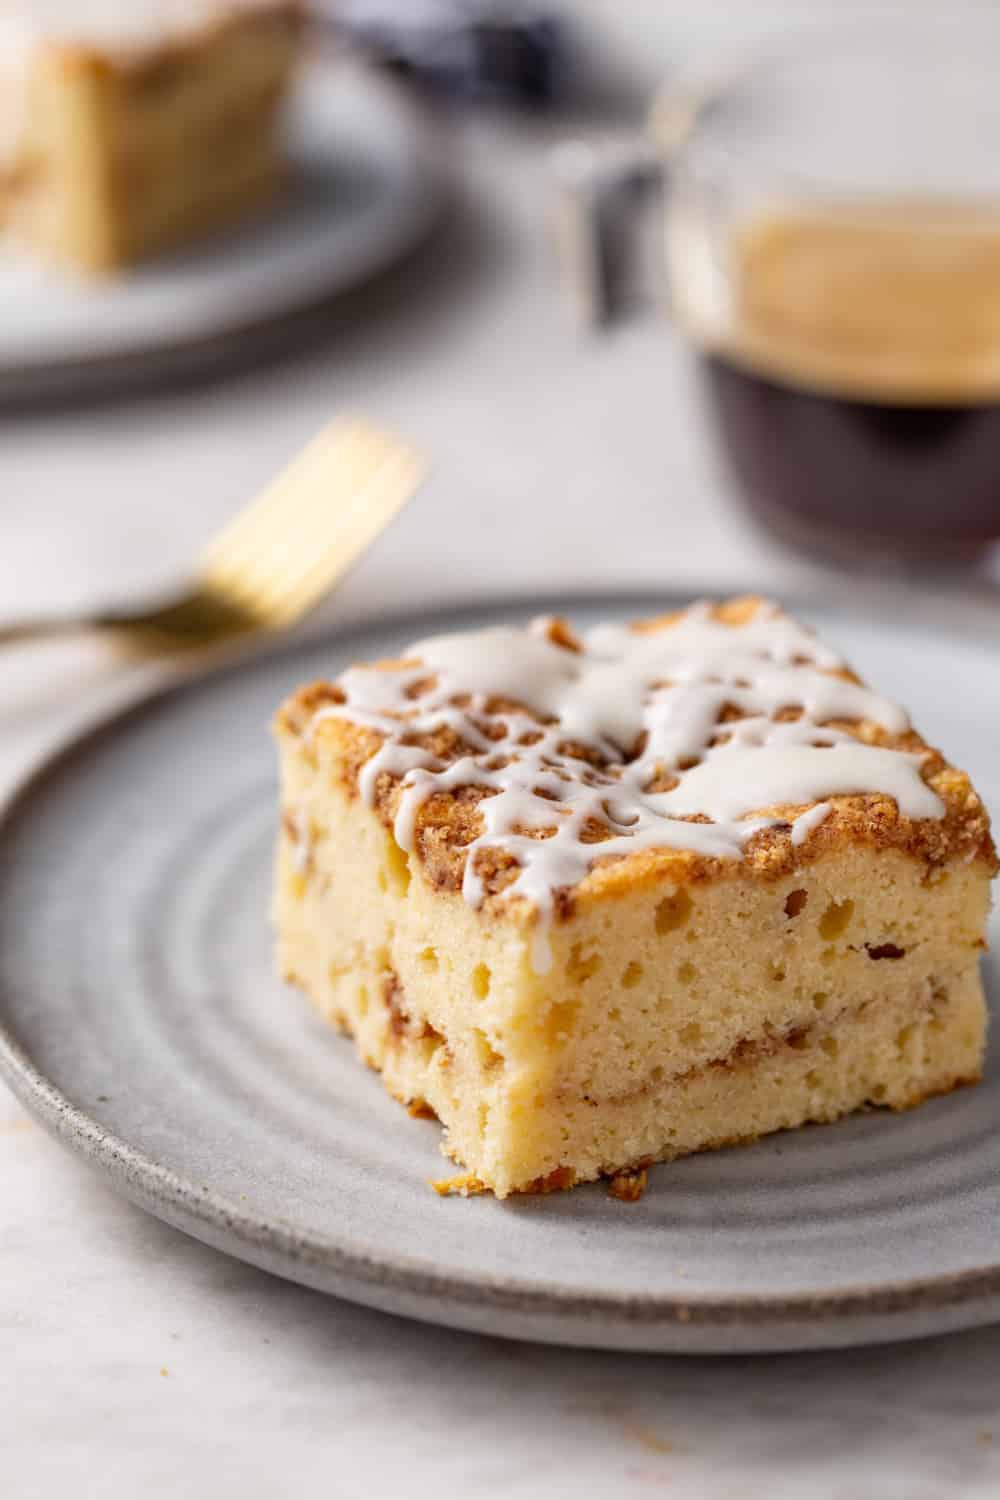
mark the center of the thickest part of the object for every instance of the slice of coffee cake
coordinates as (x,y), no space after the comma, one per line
(129,128)
(603,901)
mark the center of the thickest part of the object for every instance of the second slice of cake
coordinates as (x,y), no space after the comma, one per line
(128,127)
(603,901)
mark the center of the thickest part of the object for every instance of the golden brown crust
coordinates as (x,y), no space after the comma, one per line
(449,821)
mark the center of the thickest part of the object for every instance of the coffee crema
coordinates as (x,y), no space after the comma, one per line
(856,376)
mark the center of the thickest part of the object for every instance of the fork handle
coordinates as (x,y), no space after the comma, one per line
(39,627)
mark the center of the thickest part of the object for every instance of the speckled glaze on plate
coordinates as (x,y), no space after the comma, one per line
(141,1021)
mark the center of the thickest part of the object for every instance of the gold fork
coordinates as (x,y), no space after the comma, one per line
(279,556)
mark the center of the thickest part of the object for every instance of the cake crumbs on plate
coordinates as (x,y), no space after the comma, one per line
(464,1186)
(628,1187)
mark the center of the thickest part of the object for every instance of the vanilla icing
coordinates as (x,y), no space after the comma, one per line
(649,703)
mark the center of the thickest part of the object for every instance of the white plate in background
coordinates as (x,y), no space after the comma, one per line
(366,186)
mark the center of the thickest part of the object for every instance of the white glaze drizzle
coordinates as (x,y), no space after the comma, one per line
(668,686)
(807,821)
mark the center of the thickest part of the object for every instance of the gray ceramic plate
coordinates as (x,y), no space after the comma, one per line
(366,187)
(142,1023)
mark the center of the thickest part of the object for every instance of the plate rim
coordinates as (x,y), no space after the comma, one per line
(281,1247)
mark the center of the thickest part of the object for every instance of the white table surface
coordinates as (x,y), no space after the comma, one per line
(136,1362)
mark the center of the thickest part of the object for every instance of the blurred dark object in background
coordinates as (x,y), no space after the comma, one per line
(480,50)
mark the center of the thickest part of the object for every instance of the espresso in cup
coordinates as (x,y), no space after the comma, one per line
(832,237)
(856,380)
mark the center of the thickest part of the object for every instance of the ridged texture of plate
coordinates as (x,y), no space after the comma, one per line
(144,1023)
